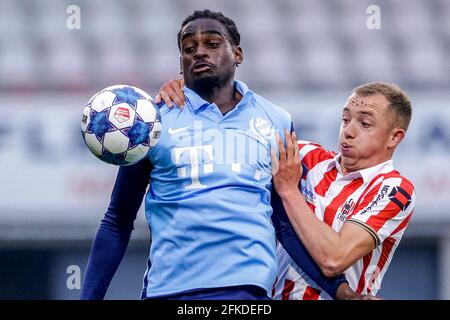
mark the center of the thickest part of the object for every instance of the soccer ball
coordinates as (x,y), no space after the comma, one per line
(120,124)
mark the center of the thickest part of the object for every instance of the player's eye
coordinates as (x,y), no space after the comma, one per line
(365,124)
(189,49)
(345,120)
(213,44)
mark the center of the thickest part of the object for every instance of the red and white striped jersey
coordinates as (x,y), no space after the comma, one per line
(378,199)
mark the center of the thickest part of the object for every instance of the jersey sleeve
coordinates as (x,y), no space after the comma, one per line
(305,147)
(115,229)
(311,154)
(385,209)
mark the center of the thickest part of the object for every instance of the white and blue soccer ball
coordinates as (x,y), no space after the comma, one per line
(120,124)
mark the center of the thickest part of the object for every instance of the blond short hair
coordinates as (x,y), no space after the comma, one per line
(398,100)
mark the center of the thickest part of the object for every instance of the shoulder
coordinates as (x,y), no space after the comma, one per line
(393,178)
(396,182)
(279,118)
(312,152)
(164,109)
(388,188)
(170,115)
(271,108)
(306,144)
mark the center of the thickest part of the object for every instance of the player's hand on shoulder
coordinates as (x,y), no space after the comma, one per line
(171,93)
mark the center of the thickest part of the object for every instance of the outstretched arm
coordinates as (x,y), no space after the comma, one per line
(297,251)
(115,229)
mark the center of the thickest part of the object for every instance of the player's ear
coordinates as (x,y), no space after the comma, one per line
(396,137)
(238,55)
(181,66)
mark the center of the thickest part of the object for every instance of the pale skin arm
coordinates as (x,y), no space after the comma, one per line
(334,252)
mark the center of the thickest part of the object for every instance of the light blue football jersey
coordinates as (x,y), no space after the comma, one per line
(208,204)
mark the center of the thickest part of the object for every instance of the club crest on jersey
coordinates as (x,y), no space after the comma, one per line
(346,209)
(122,114)
(261,127)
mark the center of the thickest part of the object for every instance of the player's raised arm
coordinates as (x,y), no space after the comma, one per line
(115,229)
(336,286)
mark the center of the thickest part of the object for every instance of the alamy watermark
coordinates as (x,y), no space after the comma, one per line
(73,21)
(74,279)
(374,20)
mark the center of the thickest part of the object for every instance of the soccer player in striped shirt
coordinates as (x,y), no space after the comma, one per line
(350,209)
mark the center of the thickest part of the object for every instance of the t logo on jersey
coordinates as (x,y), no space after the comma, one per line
(346,209)
(193,154)
(400,197)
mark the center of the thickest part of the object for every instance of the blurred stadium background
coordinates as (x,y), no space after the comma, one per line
(303,55)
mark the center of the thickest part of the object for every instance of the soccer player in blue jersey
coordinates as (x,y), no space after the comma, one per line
(208,203)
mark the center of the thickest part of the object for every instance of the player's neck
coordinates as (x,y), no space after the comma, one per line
(225,97)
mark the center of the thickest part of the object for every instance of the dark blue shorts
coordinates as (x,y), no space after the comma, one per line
(247,292)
